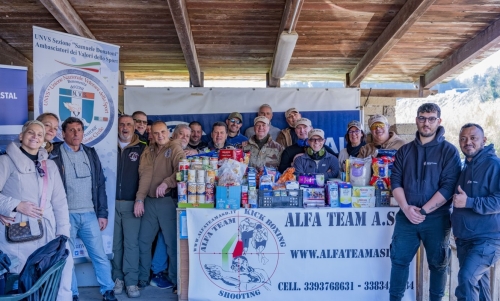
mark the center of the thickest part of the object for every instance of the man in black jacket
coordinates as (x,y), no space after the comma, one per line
(126,230)
(423,180)
(84,182)
(476,214)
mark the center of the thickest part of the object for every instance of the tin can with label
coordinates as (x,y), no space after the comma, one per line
(191,176)
(200,198)
(214,163)
(205,161)
(210,177)
(209,192)
(192,198)
(191,188)
(200,176)
(182,192)
(200,188)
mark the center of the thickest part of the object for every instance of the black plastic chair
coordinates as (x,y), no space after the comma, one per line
(47,285)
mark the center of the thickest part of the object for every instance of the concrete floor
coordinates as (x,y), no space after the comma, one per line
(150,293)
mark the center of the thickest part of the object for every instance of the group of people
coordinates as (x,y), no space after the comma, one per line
(427,180)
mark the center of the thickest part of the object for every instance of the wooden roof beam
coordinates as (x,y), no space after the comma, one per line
(179,13)
(289,20)
(396,93)
(411,11)
(471,50)
(10,56)
(69,19)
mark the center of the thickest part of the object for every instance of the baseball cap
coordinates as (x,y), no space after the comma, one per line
(235,115)
(304,121)
(261,119)
(316,132)
(290,111)
(377,118)
(356,124)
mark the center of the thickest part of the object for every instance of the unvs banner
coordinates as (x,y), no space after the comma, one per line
(78,77)
(291,254)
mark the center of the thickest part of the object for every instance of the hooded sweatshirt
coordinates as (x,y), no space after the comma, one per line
(424,169)
(479,180)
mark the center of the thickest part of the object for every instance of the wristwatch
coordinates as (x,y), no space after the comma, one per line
(422,211)
(139,201)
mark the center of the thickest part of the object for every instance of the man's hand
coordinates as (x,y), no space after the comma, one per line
(160,190)
(103,223)
(190,152)
(138,209)
(29,209)
(6,220)
(460,199)
(413,214)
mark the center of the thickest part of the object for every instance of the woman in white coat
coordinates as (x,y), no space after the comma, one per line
(21,185)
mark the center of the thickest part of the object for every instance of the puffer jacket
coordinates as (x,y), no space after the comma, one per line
(328,165)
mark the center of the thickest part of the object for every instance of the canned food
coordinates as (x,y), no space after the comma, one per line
(192,198)
(200,198)
(200,188)
(210,176)
(205,161)
(209,192)
(191,188)
(213,163)
(183,164)
(200,176)
(191,175)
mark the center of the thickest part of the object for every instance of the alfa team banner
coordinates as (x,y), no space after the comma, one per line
(78,77)
(328,109)
(291,254)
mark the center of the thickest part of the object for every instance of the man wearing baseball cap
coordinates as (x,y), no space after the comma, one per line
(317,159)
(266,111)
(234,137)
(264,151)
(302,128)
(381,136)
(288,136)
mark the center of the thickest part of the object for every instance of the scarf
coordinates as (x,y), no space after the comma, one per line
(302,143)
(260,143)
(354,150)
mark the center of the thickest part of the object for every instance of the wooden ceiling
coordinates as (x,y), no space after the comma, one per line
(420,41)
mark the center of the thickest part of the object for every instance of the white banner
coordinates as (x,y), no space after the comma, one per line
(292,254)
(78,77)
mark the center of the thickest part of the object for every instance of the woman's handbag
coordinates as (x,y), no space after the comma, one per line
(33,228)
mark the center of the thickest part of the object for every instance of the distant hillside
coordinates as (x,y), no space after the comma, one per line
(458,109)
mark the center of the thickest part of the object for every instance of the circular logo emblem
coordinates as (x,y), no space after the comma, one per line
(75,93)
(239,253)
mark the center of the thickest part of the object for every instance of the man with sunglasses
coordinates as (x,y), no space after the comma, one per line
(234,137)
(381,136)
(423,181)
(141,125)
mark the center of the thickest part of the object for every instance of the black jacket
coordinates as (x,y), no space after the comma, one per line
(39,262)
(99,197)
(127,175)
(293,150)
(479,179)
(424,169)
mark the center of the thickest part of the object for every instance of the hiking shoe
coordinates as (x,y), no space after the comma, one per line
(109,296)
(118,289)
(160,281)
(142,284)
(174,289)
(133,291)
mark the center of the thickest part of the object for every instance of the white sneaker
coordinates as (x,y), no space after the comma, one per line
(118,289)
(133,291)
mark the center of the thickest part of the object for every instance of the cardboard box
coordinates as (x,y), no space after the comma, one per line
(363,202)
(313,196)
(235,154)
(332,194)
(227,197)
(345,195)
(363,191)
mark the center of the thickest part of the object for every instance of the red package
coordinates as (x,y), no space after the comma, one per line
(235,154)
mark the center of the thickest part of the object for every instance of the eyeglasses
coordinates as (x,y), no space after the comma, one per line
(377,125)
(354,132)
(422,119)
(234,121)
(39,168)
(141,121)
(314,140)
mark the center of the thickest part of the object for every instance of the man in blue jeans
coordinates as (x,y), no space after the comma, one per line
(476,215)
(83,179)
(423,181)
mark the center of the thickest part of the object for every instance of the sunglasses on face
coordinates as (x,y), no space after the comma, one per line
(39,168)
(141,121)
(422,119)
(377,125)
(234,121)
